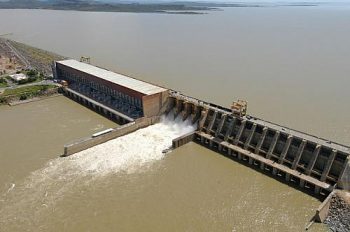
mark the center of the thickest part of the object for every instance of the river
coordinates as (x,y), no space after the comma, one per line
(128,184)
(291,64)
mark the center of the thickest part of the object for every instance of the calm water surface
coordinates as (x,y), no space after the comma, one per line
(291,64)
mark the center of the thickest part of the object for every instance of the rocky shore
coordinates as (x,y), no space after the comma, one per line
(338,218)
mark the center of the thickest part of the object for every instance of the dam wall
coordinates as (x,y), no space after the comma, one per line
(305,160)
(88,142)
(323,210)
(182,140)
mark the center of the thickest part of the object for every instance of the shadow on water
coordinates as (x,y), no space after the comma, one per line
(279,178)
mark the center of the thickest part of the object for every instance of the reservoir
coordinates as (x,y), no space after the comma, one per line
(284,61)
(290,63)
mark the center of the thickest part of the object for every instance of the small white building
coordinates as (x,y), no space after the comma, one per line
(18,77)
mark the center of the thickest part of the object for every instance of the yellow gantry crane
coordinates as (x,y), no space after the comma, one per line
(239,108)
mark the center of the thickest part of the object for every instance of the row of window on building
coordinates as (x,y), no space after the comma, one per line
(101,88)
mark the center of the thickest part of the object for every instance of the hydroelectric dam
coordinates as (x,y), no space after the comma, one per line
(305,161)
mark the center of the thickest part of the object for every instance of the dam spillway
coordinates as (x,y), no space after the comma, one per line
(308,161)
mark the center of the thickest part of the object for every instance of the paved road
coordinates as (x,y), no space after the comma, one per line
(18,54)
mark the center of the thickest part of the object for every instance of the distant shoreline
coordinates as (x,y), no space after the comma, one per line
(189,8)
(168,8)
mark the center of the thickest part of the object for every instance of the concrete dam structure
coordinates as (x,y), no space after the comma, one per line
(304,160)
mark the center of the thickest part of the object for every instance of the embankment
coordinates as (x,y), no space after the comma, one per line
(38,59)
(27,94)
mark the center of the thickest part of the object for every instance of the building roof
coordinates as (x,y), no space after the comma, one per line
(119,79)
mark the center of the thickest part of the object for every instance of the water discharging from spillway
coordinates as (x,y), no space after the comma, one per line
(128,154)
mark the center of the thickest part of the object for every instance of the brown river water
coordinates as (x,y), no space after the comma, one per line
(291,64)
(128,184)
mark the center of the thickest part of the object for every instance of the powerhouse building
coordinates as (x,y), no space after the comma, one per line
(127,95)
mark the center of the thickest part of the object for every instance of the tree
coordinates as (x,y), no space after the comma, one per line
(23,97)
(32,73)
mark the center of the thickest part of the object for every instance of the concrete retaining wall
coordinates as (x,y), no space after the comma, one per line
(182,140)
(323,209)
(86,143)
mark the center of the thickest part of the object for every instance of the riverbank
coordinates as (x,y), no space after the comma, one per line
(27,57)
(27,94)
(180,7)
(22,58)
(38,59)
(34,99)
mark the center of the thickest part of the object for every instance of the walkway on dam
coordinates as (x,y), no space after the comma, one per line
(293,132)
(296,133)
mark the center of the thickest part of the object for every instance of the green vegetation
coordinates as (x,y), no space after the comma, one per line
(32,73)
(27,90)
(23,97)
(85,5)
(2,100)
(3,82)
(33,76)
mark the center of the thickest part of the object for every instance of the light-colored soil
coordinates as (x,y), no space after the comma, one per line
(345,195)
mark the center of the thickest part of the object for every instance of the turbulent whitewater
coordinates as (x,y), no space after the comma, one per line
(135,152)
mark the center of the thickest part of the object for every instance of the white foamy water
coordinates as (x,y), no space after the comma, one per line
(131,153)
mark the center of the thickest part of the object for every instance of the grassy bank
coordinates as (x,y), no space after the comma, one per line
(27,90)
(3,82)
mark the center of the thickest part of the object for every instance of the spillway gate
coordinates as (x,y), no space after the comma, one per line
(305,160)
